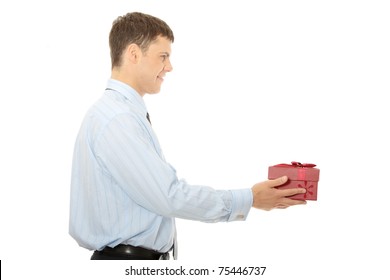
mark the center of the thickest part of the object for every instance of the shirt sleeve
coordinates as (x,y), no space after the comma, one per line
(241,205)
(129,158)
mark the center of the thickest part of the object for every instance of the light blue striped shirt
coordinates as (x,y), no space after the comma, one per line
(122,189)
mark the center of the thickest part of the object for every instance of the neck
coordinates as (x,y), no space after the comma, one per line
(123,77)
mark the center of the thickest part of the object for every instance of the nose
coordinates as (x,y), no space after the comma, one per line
(168,66)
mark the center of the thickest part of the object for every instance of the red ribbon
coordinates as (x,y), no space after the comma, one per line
(297,164)
(301,168)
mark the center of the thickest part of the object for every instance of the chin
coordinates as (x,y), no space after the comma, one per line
(155,91)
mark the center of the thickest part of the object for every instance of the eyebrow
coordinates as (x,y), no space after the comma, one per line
(165,53)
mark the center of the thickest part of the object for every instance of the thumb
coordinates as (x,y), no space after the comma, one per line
(278,181)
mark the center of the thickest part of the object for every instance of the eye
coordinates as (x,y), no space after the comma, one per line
(164,56)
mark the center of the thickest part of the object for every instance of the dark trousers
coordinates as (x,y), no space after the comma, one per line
(128,252)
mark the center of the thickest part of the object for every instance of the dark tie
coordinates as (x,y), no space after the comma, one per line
(147,116)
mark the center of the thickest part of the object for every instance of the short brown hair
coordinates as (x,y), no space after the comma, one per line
(137,28)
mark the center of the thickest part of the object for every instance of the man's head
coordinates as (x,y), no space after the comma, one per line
(140,47)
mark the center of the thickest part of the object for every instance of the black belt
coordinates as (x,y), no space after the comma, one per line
(129,250)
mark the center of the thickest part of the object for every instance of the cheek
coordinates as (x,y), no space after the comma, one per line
(148,73)
(153,69)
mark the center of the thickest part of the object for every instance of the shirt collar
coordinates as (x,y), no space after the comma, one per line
(128,92)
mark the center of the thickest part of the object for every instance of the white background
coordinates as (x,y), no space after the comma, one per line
(255,83)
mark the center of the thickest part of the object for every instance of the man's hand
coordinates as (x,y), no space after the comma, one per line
(267,197)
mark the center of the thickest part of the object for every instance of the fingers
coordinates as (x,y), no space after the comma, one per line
(287,202)
(286,192)
(284,200)
(278,181)
(292,191)
(266,196)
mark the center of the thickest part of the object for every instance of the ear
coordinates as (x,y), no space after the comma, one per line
(132,53)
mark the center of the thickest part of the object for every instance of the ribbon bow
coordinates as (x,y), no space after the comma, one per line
(298,164)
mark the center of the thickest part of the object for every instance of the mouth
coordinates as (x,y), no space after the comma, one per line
(161,76)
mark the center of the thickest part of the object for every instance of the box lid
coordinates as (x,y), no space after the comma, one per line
(295,171)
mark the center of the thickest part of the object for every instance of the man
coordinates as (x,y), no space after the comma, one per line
(124,195)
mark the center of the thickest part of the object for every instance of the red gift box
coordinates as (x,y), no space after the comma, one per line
(300,175)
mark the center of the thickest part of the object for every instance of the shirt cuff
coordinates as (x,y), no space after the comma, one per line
(242,201)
